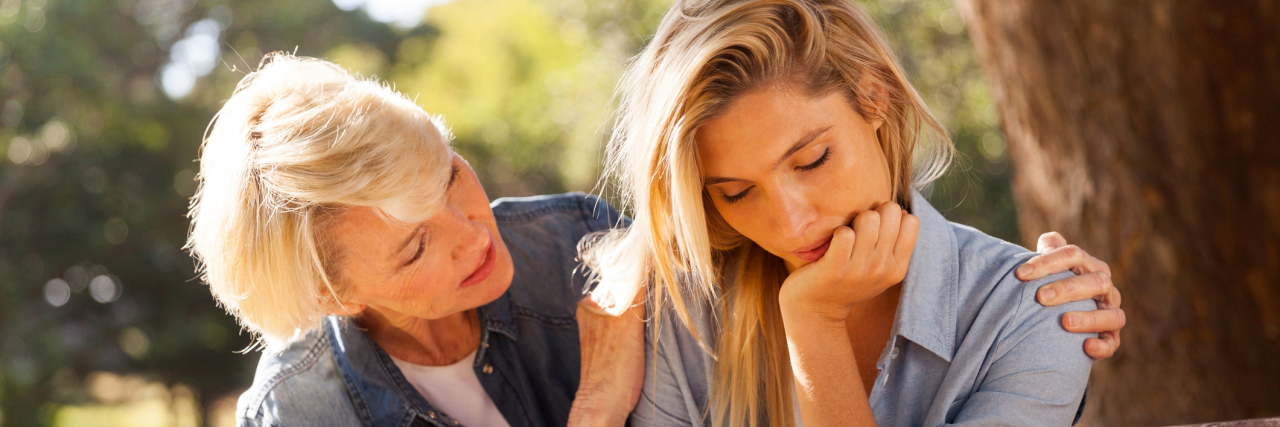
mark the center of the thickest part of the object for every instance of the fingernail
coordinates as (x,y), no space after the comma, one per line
(1025,270)
(1046,295)
(1071,321)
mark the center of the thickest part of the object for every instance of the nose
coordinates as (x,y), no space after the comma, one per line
(472,235)
(793,214)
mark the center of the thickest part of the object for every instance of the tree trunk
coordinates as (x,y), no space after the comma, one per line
(1146,132)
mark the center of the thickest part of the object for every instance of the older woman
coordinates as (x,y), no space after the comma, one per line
(338,227)
(336,224)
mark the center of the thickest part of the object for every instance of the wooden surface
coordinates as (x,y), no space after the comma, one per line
(1259,422)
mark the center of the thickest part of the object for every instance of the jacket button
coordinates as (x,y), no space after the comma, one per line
(488,369)
(432,415)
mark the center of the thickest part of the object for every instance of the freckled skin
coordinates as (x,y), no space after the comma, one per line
(785,208)
(418,311)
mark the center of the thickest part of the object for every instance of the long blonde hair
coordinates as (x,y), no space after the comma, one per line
(705,54)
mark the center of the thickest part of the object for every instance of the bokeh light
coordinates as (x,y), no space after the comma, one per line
(400,13)
(104,288)
(134,342)
(57,292)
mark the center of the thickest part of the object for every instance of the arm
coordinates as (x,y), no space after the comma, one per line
(612,365)
(828,385)
(1038,376)
(1093,282)
(816,300)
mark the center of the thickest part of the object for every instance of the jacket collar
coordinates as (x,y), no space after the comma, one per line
(378,389)
(927,309)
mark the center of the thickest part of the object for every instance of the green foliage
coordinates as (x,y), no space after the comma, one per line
(929,38)
(96,160)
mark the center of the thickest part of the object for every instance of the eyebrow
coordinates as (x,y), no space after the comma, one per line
(800,143)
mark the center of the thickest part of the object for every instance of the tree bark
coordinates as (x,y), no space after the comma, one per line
(1146,131)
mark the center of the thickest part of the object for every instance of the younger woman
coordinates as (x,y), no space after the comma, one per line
(771,150)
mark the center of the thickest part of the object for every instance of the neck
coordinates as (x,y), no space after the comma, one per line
(428,342)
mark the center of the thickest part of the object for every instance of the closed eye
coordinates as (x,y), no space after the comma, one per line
(736,197)
(453,177)
(826,155)
(422,246)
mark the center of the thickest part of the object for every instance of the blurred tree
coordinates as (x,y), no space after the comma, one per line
(103,105)
(1146,131)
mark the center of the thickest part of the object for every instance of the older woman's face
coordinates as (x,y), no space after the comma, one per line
(452,262)
(785,169)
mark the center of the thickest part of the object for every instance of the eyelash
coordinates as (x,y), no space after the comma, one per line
(422,241)
(453,176)
(734,198)
(826,155)
(422,246)
(821,160)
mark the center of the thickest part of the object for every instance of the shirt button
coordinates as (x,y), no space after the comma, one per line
(893,354)
(885,381)
(488,369)
(432,415)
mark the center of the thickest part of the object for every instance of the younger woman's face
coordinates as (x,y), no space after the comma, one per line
(453,261)
(785,169)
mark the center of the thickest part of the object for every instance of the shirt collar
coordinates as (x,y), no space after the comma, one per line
(377,386)
(927,309)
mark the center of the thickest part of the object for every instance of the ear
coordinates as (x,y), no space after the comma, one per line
(340,307)
(349,309)
(874,94)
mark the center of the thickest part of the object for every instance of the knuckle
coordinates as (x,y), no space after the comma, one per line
(911,220)
(1070,286)
(1102,281)
(843,232)
(1072,251)
(890,208)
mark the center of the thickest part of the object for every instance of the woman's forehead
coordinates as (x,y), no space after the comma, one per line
(760,127)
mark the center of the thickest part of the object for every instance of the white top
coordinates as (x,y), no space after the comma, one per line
(455,390)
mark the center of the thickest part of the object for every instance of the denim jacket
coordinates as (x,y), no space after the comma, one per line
(528,361)
(969,345)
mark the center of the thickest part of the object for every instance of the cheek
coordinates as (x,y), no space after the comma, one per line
(749,218)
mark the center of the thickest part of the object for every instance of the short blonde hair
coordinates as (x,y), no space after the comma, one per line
(706,54)
(299,140)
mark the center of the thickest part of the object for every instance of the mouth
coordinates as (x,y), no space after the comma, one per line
(813,252)
(485,268)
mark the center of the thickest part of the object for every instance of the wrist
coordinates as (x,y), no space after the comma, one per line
(591,408)
(817,315)
(819,324)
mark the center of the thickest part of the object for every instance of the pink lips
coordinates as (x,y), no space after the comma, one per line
(813,252)
(483,270)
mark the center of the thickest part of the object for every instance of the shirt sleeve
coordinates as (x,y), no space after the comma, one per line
(1040,371)
(666,400)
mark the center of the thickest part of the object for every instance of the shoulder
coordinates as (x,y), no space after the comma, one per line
(300,384)
(992,298)
(543,233)
(570,210)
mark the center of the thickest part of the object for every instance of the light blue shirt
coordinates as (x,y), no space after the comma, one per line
(970,344)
